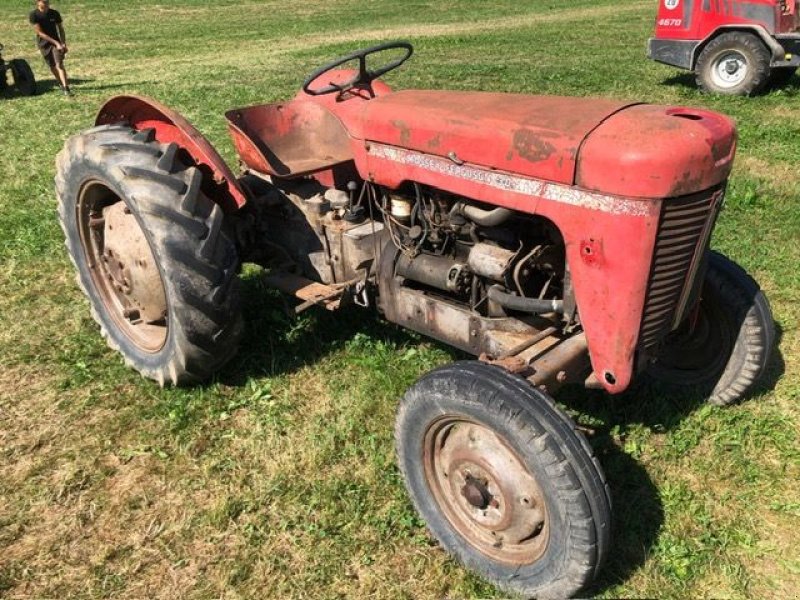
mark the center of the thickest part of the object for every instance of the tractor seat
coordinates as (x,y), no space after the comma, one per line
(288,140)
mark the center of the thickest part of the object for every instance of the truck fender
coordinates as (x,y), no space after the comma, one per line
(775,48)
(140,112)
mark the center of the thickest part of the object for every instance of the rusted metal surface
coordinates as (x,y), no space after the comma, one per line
(310,292)
(122,266)
(169,126)
(531,136)
(682,151)
(306,221)
(452,323)
(128,260)
(485,490)
(490,261)
(681,245)
(565,362)
(288,140)
(526,344)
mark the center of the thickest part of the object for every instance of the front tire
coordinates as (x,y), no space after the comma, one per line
(151,253)
(728,349)
(503,479)
(734,63)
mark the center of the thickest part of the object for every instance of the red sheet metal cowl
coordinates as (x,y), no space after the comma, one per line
(531,136)
(650,151)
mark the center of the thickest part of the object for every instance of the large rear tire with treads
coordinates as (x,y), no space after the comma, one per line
(151,252)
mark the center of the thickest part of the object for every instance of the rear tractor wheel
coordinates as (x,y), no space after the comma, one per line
(734,63)
(151,253)
(504,480)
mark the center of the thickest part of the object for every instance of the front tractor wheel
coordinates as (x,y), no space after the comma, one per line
(151,253)
(724,349)
(504,480)
(734,63)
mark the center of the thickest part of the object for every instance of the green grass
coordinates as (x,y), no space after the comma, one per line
(277,479)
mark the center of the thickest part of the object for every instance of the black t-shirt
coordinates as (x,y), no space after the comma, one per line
(48,21)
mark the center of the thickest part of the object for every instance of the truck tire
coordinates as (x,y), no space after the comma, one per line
(730,346)
(151,252)
(24,80)
(504,480)
(735,63)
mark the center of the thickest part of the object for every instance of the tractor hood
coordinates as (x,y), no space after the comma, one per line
(535,136)
(605,146)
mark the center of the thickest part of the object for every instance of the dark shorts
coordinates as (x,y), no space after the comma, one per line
(52,56)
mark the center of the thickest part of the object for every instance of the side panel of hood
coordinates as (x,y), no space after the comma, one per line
(534,136)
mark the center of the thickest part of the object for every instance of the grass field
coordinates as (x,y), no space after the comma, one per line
(277,479)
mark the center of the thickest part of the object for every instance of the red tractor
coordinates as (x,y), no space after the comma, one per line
(733,46)
(559,240)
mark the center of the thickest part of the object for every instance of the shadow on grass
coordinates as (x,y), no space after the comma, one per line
(275,343)
(638,510)
(49,86)
(77,85)
(687,80)
(683,79)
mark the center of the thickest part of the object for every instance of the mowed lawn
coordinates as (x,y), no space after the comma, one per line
(277,478)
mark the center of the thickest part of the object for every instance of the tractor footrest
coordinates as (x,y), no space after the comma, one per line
(310,292)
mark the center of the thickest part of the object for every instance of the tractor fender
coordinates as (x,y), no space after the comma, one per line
(778,53)
(140,112)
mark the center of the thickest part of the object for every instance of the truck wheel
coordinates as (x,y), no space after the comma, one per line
(503,479)
(735,63)
(23,77)
(729,347)
(151,253)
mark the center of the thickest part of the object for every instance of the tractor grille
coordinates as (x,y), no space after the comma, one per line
(683,232)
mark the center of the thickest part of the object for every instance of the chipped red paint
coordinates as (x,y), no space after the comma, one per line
(533,136)
(657,152)
(142,113)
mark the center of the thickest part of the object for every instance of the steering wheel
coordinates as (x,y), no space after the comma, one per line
(364,76)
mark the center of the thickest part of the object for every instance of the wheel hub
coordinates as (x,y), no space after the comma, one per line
(123,268)
(485,491)
(476,493)
(731,69)
(129,264)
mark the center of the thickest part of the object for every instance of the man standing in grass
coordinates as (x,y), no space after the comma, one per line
(52,40)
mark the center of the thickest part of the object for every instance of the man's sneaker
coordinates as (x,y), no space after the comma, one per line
(67,91)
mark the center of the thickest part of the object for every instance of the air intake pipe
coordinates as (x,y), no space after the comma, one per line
(485,218)
(529,305)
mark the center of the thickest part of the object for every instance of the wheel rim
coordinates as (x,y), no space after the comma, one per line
(122,266)
(730,69)
(485,491)
(695,354)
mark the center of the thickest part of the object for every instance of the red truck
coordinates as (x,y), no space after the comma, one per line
(733,46)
